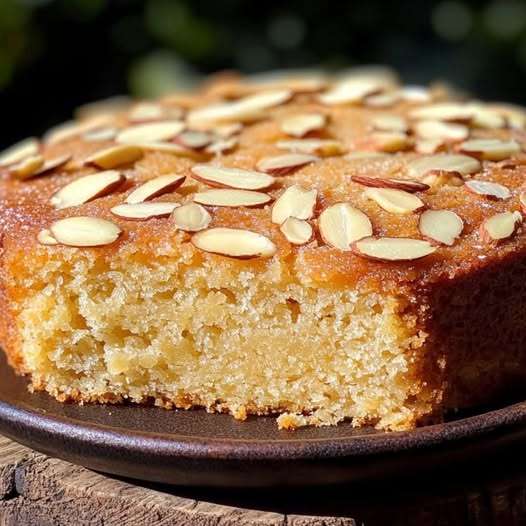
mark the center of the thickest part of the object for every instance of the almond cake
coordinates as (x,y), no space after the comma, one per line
(317,247)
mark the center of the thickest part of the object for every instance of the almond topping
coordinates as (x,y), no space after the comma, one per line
(19,151)
(222,146)
(226,131)
(101,134)
(522,200)
(27,167)
(322,147)
(85,231)
(150,132)
(500,226)
(415,94)
(438,178)
(296,231)
(285,164)
(295,201)
(87,188)
(155,187)
(191,217)
(393,248)
(390,141)
(351,91)
(441,130)
(46,238)
(389,123)
(114,156)
(382,100)
(444,111)
(408,185)
(428,146)
(52,164)
(487,118)
(151,111)
(168,147)
(463,164)
(147,210)
(442,226)
(394,201)
(231,198)
(234,242)
(222,177)
(195,140)
(490,149)
(488,189)
(342,224)
(300,125)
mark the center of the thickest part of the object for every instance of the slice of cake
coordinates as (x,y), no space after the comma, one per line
(315,248)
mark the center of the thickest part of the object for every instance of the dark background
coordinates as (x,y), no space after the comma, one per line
(57,54)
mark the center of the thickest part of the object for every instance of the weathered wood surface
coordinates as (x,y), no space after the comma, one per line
(36,490)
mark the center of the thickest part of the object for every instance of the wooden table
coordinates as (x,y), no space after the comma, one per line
(36,490)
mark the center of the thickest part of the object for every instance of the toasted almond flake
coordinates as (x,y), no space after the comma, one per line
(222,146)
(226,131)
(515,116)
(149,210)
(71,129)
(242,110)
(155,187)
(151,111)
(300,125)
(415,94)
(428,146)
(522,200)
(52,164)
(19,151)
(382,100)
(194,139)
(100,134)
(296,231)
(114,156)
(442,226)
(351,91)
(444,111)
(490,149)
(234,242)
(462,164)
(436,179)
(223,177)
(295,201)
(321,147)
(488,189)
(87,188)
(342,224)
(389,123)
(191,217)
(83,231)
(285,164)
(390,141)
(27,167)
(150,132)
(408,185)
(394,201)
(500,226)
(441,130)
(392,248)
(359,155)
(45,237)
(168,147)
(232,198)
(484,117)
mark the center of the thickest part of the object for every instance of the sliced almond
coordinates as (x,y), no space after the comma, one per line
(351,91)
(522,200)
(382,100)
(392,248)
(87,188)
(85,231)
(234,242)
(490,149)
(390,142)
(168,147)
(441,130)
(101,134)
(488,189)
(442,226)
(463,164)
(19,151)
(415,94)
(193,139)
(295,201)
(296,231)
(342,224)
(151,111)
(321,147)
(45,237)
(191,217)
(228,130)
(436,179)
(408,185)
(389,123)
(394,201)
(300,125)
(114,156)
(444,111)
(231,198)
(500,226)
(428,146)
(222,146)
(222,177)
(71,129)
(150,132)
(285,164)
(484,117)
(242,110)
(52,164)
(155,187)
(149,210)
(27,167)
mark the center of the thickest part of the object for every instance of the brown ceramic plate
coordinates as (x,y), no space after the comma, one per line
(196,448)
